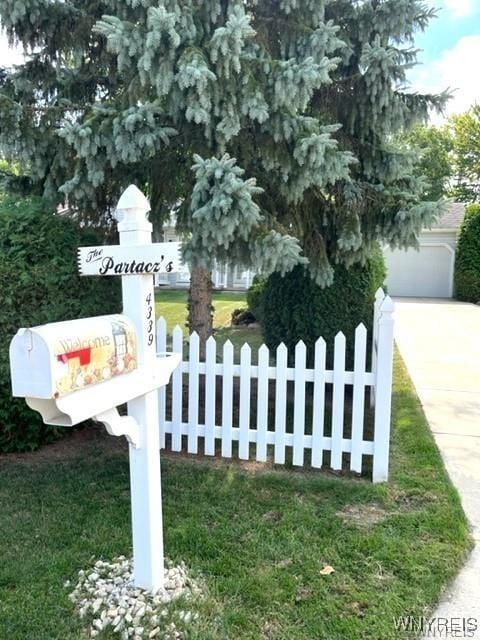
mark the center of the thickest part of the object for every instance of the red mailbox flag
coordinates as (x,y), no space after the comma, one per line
(85,356)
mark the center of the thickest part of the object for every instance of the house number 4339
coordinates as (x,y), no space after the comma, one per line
(149,319)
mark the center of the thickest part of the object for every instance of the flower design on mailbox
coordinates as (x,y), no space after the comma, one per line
(105,349)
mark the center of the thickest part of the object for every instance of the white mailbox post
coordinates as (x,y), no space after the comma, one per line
(145,480)
(127,368)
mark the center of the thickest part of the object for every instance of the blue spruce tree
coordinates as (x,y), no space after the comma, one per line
(268,122)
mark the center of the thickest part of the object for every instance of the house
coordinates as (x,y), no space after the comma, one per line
(424,273)
(429,271)
(223,277)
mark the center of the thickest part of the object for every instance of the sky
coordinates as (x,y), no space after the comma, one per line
(450,54)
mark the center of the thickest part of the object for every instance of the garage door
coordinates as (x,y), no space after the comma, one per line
(427,273)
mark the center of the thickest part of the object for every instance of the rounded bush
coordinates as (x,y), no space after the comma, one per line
(295,308)
(242,318)
(467,263)
(255,298)
(39,282)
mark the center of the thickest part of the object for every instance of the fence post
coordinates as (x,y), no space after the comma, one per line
(379,298)
(383,388)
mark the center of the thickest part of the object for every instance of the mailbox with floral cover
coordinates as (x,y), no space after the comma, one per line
(56,359)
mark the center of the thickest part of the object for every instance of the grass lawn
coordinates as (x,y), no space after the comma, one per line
(172,305)
(258,537)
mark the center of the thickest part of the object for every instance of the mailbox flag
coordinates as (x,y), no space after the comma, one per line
(85,356)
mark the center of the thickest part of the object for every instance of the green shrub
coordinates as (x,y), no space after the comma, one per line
(295,308)
(242,317)
(467,264)
(255,298)
(39,283)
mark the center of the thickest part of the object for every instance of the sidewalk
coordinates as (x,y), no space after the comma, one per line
(440,343)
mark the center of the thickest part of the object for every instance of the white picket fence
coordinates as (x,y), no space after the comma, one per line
(220,402)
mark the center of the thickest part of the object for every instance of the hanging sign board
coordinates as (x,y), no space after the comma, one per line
(164,257)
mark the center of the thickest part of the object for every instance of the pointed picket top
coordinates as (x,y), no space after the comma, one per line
(388,306)
(264,351)
(282,348)
(227,347)
(361,329)
(211,350)
(320,343)
(194,348)
(320,352)
(132,207)
(177,339)
(360,347)
(246,349)
(379,294)
(161,334)
(339,351)
(300,350)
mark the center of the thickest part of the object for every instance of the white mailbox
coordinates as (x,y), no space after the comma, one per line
(72,371)
(56,359)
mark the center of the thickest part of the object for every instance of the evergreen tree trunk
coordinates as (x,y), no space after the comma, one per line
(200,308)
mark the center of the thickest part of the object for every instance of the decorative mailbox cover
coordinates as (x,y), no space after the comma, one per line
(56,359)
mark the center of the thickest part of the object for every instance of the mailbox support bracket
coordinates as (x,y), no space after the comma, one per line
(117,425)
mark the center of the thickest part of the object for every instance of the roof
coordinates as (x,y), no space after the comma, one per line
(453,218)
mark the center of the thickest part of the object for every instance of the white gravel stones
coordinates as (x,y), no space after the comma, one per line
(106,597)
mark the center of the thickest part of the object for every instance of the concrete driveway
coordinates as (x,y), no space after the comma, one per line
(440,343)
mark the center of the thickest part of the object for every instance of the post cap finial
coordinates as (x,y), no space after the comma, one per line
(133,204)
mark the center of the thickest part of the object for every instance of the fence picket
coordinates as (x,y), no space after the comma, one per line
(244,419)
(318,421)
(162,348)
(193,361)
(227,399)
(358,411)
(338,401)
(177,392)
(280,404)
(262,403)
(299,404)
(210,396)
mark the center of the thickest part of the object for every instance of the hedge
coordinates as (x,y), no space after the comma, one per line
(467,264)
(39,283)
(294,308)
